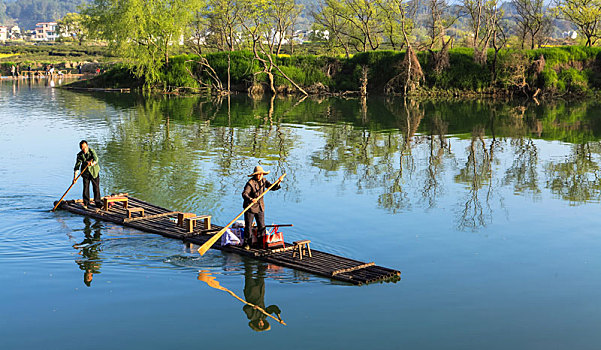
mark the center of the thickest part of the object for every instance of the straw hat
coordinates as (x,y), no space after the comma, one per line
(259,170)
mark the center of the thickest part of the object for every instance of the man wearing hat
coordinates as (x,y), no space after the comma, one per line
(254,293)
(253,189)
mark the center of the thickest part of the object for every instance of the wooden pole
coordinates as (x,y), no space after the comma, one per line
(206,277)
(69,189)
(208,244)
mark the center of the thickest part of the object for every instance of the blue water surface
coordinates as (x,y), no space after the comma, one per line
(491,213)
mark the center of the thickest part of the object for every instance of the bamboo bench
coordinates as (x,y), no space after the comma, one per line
(117,199)
(182,216)
(135,210)
(192,220)
(301,247)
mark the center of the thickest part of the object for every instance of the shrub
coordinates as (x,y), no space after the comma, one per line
(549,80)
(176,74)
(574,80)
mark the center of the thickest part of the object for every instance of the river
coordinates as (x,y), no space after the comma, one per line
(489,209)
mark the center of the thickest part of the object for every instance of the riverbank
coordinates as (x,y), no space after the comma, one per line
(569,71)
(68,58)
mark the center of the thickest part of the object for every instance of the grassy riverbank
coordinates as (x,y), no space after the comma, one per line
(557,71)
(62,56)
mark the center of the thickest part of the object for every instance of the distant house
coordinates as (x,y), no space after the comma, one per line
(14,33)
(3,33)
(45,31)
(570,34)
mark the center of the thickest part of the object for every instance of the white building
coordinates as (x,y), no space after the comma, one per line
(14,33)
(3,33)
(571,34)
(45,31)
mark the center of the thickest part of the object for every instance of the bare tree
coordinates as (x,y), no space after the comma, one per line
(440,19)
(410,69)
(282,14)
(255,23)
(532,21)
(481,16)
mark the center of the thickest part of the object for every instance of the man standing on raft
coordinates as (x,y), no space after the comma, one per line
(253,189)
(88,158)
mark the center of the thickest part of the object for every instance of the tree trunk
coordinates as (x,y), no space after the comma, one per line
(228,72)
(271,87)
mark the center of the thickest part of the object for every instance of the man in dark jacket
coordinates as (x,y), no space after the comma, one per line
(253,189)
(88,157)
(254,293)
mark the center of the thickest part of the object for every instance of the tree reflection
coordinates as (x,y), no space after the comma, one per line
(475,174)
(438,147)
(190,153)
(184,152)
(577,177)
(409,115)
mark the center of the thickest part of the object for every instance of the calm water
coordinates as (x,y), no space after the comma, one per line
(490,210)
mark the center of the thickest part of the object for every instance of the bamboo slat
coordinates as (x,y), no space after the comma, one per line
(321,263)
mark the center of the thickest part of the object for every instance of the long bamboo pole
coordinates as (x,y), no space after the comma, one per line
(69,189)
(206,277)
(208,244)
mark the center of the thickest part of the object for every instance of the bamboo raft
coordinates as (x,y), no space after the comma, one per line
(160,221)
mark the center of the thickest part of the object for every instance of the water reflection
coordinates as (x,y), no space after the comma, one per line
(576,178)
(254,295)
(89,249)
(191,152)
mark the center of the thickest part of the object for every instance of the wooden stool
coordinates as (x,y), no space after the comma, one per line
(302,247)
(108,200)
(182,216)
(134,210)
(191,221)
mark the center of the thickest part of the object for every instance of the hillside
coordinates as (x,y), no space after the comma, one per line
(26,13)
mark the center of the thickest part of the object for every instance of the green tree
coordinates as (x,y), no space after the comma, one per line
(224,23)
(440,19)
(326,18)
(282,15)
(256,24)
(361,21)
(143,31)
(74,25)
(585,14)
(398,19)
(3,16)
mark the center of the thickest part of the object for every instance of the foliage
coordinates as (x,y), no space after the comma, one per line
(575,70)
(118,76)
(142,32)
(574,80)
(585,14)
(74,25)
(29,12)
(55,53)
(566,54)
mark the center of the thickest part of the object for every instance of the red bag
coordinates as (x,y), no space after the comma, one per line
(273,239)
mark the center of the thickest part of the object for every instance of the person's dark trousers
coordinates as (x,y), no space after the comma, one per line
(248,222)
(87,178)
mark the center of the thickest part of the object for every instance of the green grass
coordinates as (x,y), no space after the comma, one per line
(572,69)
